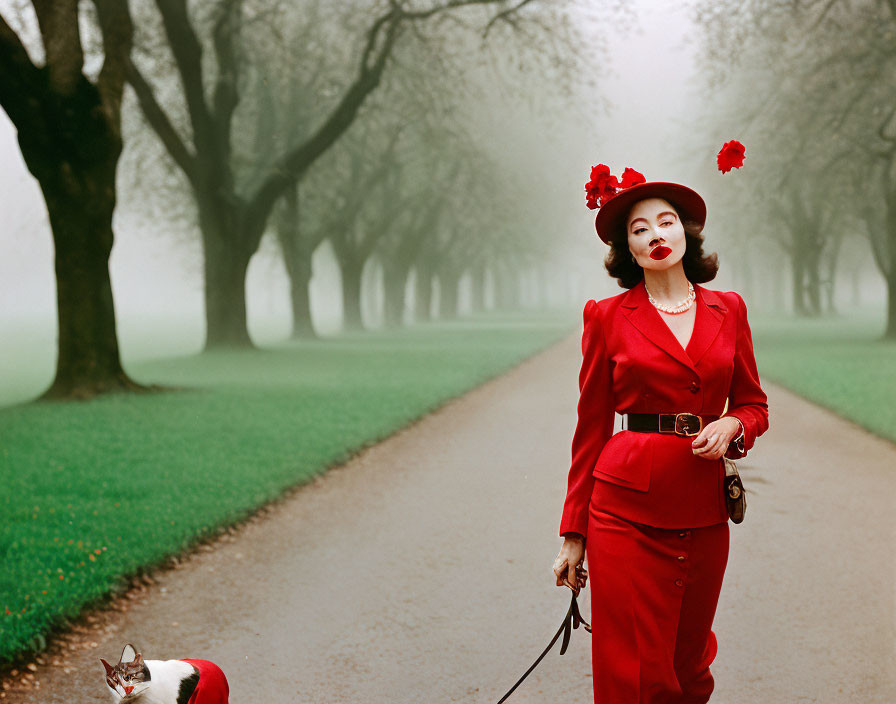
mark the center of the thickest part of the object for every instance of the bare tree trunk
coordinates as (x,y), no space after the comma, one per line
(80,210)
(352,270)
(297,260)
(890,332)
(69,132)
(448,292)
(881,232)
(797,271)
(477,274)
(830,283)
(813,281)
(423,291)
(395,279)
(884,250)
(225,278)
(225,297)
(890,275)
(300,295)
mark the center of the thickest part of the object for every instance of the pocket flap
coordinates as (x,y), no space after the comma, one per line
(625,460)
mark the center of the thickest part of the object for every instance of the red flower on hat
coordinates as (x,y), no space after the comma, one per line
(630,178)
(730,155)
(601,186)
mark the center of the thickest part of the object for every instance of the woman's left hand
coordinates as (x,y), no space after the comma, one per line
(712,442)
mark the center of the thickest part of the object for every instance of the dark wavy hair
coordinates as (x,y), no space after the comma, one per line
(698,267)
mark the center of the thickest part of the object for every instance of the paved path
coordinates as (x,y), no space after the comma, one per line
(421,570)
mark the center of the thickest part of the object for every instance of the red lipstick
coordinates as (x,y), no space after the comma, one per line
(660,252)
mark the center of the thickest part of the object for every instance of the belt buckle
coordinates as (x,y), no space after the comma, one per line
(660,429)
(687,424)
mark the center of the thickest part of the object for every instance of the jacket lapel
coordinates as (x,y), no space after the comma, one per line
(711,311)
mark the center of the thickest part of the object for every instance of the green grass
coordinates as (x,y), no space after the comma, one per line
(95,491)
(837,362)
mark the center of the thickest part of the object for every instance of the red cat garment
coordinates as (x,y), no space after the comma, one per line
(212,687)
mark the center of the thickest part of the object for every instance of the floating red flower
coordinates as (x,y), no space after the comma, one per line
(731,155)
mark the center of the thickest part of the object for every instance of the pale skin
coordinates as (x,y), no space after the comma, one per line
(649,222)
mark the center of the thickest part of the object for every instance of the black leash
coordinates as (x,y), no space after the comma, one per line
(572,620)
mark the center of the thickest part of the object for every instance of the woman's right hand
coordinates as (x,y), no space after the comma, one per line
(568,565)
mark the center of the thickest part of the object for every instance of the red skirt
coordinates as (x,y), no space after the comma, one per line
(654,593)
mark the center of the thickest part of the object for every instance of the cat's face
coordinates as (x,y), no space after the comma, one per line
(129,678)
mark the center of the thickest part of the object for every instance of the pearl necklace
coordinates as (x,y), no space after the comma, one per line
(680,307)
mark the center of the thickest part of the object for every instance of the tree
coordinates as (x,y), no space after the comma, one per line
(69,131)
(232,221)
(831,113)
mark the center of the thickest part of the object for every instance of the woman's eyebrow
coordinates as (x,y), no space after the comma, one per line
(665,212)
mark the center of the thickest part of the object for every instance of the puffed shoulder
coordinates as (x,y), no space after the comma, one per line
(733,299)
(589,311)
(590,324)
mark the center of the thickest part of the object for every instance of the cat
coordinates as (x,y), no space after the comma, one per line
(185,681)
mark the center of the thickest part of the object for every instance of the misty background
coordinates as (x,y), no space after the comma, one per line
(507,135)
(260,236)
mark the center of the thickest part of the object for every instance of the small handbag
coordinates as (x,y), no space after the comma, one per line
(735,496)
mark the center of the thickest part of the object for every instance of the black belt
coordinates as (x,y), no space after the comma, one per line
(678,423)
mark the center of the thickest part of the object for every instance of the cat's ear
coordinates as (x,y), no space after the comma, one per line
(109,668)
(128,654)
(138,661)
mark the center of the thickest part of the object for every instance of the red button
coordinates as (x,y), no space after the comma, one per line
(695,387)
(679,583)
(681,558)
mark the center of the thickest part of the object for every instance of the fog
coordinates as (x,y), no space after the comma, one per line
(644,64)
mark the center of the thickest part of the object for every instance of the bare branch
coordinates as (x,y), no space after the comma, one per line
(161,123)
(21,78)
(226,96)
(58,22)
(504,15)
(378,46)
(293,165)
(187,51)
(118,36)
(822,15)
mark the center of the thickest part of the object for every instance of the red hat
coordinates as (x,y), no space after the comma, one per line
(612,214)
(615,197)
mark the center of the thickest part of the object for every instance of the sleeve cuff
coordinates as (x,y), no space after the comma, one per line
(738,442)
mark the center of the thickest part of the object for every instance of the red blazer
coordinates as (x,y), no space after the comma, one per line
(632,363)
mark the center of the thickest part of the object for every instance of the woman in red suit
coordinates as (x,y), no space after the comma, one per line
(676,360)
